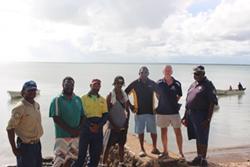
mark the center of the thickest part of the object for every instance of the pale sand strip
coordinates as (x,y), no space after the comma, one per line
(226,157)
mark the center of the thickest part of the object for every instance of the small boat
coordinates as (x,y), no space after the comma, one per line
(230,92)
(17,94)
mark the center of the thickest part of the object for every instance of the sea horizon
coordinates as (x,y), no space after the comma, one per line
(229,125)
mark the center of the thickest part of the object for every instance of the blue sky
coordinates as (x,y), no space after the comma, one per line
(190,31)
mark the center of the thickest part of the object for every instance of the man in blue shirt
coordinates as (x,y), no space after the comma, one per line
(200,103)
(168,109)
(143,90)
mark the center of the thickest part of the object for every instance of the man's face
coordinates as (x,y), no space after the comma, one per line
(198,76)
(68,87)
(29,94)
(118,85)
(168,71)
(95,87)
(144,74)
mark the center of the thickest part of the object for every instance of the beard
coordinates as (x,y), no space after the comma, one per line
(68,92)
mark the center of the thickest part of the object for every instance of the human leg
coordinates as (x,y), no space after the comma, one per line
(164,139)
(141,140)
(140,123)
(122,138)
(31,155)
(179,140)
(151,128)
(95,149)
(83,147)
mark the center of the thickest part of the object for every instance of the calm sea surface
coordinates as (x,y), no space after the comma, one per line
(230,124)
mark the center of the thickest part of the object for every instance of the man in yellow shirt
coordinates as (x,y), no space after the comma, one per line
(91,137)
(25,122)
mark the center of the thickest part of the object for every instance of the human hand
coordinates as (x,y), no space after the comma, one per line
(184,121)
(94,128)
(16,151)
(132,108)
(126,124)
(205,123)
(74,133)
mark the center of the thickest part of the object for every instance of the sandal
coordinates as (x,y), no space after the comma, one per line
(163,156)
(155,151)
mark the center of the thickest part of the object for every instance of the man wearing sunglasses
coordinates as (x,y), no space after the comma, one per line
(200,103)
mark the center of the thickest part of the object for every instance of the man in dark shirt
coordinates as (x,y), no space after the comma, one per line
(143,95)
(200,103)
(168,109)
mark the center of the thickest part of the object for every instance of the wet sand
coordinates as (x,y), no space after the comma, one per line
(225,157)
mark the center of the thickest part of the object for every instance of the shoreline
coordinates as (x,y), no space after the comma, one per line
(228,156)
(225,157)
(219,157)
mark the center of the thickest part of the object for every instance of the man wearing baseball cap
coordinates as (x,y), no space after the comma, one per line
(25,123)
(200,102)
(91,137)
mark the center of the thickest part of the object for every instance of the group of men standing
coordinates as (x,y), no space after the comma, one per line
(79,121)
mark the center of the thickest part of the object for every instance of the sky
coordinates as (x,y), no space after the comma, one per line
(125,31)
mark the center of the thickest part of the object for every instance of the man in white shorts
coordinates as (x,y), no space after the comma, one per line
(168,110)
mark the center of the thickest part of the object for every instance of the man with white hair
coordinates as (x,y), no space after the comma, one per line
(168,109)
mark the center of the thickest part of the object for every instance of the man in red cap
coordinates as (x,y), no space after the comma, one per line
(91,136)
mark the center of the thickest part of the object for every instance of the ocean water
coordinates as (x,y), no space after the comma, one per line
(229,127)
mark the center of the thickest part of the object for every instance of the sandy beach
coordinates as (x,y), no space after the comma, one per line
(224,157)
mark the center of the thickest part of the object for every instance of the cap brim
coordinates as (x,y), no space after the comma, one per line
(31,88)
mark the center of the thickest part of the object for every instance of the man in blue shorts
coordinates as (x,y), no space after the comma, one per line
(200,103)
(143,90)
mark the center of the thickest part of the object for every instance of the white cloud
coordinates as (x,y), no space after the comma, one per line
(111,30)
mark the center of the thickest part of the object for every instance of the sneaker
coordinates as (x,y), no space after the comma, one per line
(163,155)
(195,162)
(155,151)
(204,163)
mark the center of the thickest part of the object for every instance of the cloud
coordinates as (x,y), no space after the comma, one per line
(129,31)
(108,13)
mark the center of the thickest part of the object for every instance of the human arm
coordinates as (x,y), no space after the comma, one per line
(128,114)
(130,90)
(207,121)
(212,100)
(16,116)
(184,119)
(11,137)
